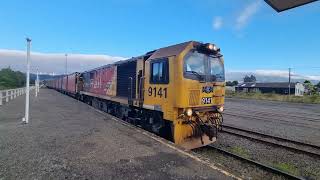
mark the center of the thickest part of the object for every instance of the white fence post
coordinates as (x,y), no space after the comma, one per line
(7,96)
(11,94)
(0,98)
(15,93)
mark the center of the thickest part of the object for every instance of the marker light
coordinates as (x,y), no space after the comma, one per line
(189,112)
(220,109)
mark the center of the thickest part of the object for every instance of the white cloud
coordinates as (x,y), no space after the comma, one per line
(316,78)
(248,12)
(285,74)
(279,73)
(54,62)
(217,23)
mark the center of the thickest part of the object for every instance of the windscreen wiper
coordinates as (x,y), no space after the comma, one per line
(196,73)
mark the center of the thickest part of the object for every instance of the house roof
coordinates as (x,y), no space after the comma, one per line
(266,85)
(162,52)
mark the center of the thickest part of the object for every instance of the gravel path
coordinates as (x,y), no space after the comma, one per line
(66,139)
(295,121)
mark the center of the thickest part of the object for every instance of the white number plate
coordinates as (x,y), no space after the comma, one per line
(207,100)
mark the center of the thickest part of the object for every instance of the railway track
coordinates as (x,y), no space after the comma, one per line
(278,113)
(256,163)
(280,120)
(295,146)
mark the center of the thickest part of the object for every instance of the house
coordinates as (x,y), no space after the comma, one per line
(275,87)
(230,88)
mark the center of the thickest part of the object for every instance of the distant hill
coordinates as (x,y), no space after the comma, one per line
(238,76)
(33,77)
(10,79)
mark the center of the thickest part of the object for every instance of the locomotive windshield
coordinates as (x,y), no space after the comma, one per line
(203,67)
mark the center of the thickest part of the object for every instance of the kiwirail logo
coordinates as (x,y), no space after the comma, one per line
(54,63)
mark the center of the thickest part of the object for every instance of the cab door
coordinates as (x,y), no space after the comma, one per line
(140,83)
(156,93)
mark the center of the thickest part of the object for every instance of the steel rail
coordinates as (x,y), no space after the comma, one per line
(256,163)
(273,137)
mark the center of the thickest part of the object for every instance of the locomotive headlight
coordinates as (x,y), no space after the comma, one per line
(220,109)
(212,47)
(189,112)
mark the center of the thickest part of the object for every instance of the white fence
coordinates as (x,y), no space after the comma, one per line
(10,94)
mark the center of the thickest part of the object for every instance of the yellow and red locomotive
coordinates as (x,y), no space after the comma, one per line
(176,91)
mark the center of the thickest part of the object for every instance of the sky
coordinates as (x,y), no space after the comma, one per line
(251,35)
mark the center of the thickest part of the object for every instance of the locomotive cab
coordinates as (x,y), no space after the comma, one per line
(186,82)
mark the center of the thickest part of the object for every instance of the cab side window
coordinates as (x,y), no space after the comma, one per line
(159,71)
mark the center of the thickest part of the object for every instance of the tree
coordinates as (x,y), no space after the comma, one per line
(235,83)
(228,83)
(11,79)
(307,82)
(311,89)
(251,78)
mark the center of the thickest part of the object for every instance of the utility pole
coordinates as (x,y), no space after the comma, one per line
(66,63)
(26,117)
(289,81)
(37,83)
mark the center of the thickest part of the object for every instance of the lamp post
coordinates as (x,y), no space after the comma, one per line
(289,82)
(26,117)
(66,63)
(37,83)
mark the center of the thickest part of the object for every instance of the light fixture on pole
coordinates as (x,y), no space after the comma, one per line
(26,117)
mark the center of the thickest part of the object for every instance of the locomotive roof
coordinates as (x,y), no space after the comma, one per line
(113,64)
(170,50)
(158,53)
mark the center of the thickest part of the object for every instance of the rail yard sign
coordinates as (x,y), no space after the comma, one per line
(283,5)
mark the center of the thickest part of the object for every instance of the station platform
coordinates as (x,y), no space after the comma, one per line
(67,139)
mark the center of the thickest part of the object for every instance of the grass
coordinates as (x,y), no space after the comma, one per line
(289,168)
(314,99)
(240,151)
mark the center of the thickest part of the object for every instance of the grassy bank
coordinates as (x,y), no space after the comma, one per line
(315,99)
